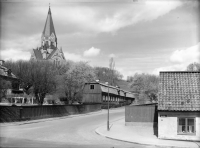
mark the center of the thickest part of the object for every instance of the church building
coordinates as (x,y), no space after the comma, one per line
(48,49)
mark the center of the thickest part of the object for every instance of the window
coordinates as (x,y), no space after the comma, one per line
(91,86)
(186,126)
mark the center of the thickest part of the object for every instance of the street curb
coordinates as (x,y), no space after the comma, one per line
(148,144)
(98,133)
(47,119)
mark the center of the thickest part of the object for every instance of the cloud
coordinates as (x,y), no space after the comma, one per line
(22,42)
(92,52)
(19,48)
(189,55)
(112,55)
(176,67)
(126,71)
(73,57)
(180,59)
(106,19)
(15,54)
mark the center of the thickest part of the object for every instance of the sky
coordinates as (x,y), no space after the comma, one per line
(143,36)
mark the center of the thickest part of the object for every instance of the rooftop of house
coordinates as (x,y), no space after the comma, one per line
(179,91)
(5,72)
(113,89)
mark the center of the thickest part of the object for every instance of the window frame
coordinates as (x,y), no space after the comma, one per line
(186,125)
(92,86)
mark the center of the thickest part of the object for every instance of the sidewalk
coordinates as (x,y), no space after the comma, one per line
(140,135)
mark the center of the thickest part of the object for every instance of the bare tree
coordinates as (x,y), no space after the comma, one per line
(146,85)
(112,67)
(75,78)
(22,70)
(42,79)
(193,67)
(38,75)
(105,74)
(4,85)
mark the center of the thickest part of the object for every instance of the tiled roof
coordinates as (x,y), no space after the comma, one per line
(179,91)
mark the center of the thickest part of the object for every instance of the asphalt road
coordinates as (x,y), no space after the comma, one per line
(70,131)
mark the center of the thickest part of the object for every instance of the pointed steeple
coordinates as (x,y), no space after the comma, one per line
(49,35)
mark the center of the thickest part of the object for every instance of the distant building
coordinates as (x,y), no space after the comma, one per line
(179,106)
(97,92)
(9,82)
(48,50)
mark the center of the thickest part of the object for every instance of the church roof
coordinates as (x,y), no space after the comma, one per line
(38,54)
(49,27)
(51,54)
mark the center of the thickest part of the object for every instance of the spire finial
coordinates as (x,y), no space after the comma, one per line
(49,5)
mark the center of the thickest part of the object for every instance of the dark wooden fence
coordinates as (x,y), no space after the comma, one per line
(141,113)
(19,113)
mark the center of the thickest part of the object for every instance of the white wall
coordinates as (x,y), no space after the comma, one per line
(167,126)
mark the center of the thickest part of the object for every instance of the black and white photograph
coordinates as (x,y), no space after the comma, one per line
(100,73)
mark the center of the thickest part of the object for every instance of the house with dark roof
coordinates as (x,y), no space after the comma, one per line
(179,106)
(9,82)
(98,92)
(49,50)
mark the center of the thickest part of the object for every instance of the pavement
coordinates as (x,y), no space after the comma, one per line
(140,135)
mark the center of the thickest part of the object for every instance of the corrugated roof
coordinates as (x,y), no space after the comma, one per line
(114,90)
(130,95)
(179,91)
(111,89)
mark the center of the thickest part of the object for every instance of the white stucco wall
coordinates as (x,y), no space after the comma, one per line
(167,125)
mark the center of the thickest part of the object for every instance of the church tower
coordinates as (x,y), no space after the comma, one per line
(49,38)
(48,49)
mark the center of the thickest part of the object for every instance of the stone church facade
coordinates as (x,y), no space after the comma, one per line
(48,49)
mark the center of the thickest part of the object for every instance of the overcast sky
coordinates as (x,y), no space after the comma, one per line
(142,36)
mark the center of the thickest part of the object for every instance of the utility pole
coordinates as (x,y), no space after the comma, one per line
(111,66)
(108,128)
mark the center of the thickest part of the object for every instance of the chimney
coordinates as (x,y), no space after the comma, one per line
(9,72)
(2,62)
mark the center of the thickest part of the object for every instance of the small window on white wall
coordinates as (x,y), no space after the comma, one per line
(91,86)
(186,126)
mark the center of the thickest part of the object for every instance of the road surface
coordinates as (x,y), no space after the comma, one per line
(70,131)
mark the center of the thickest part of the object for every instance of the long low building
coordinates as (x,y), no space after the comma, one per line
(96,92)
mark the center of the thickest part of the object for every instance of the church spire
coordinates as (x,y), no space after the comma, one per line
(49,35)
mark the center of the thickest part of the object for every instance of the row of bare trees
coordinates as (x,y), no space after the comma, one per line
(40,78)
(36,78)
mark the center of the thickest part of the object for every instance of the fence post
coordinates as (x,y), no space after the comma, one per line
(20,113)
